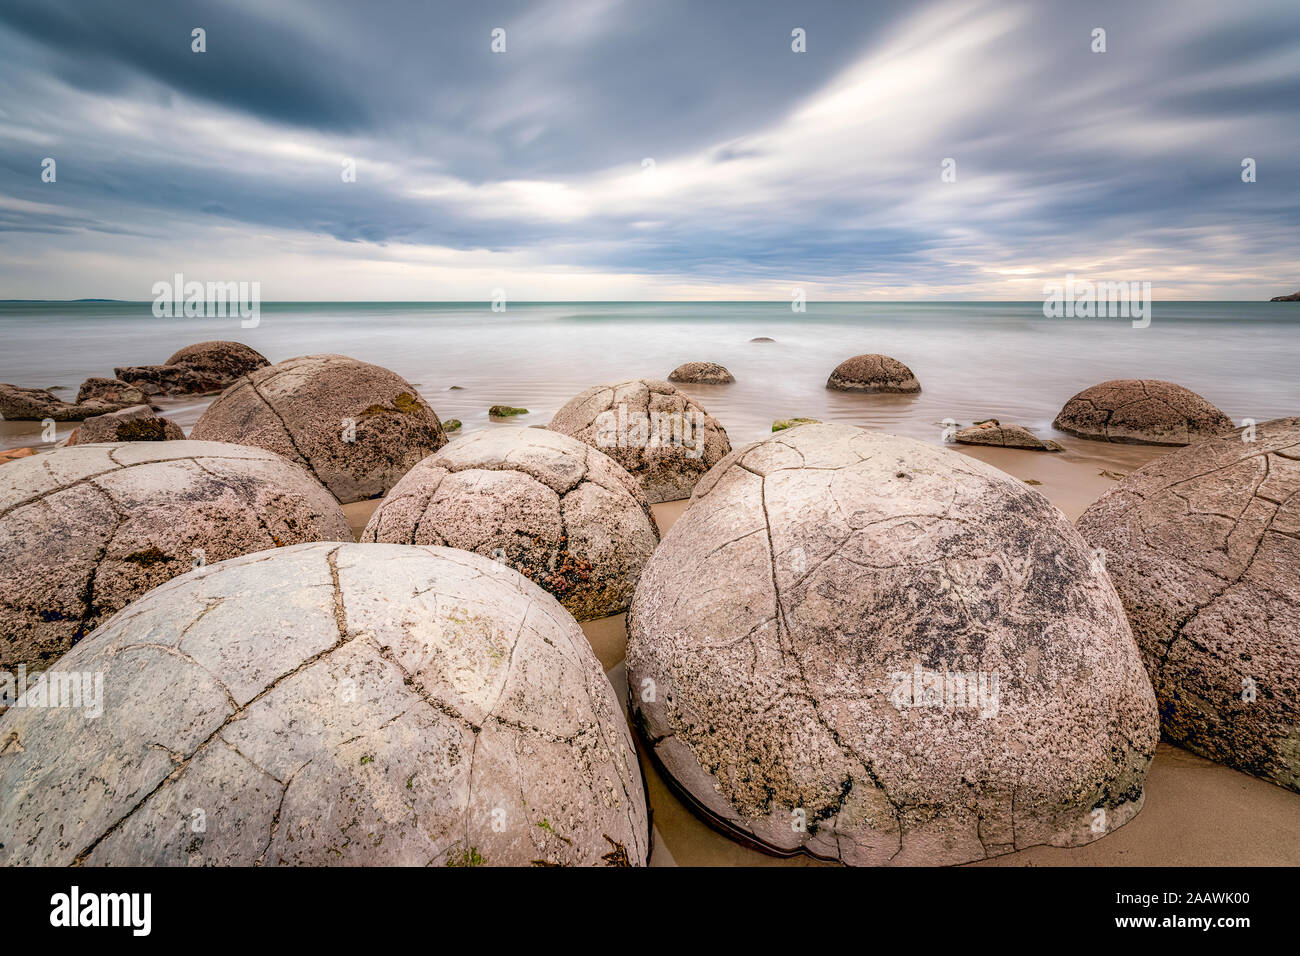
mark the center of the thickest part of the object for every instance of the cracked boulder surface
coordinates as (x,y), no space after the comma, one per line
(659,434)
(812,578)
(85,530)
(326,704)
(559,512)
(701,373)
(1141,411)
(357,427)
(1203,546)
(873,373)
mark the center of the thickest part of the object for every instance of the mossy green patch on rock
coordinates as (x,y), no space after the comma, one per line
(470,857)
(781,424)
(451,425)
(506,411)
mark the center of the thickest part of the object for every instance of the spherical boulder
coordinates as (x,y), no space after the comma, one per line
(873,373)
(224,361)
(330,704)
(561,513)
(1203,545)
(872,650)
(701,373)
(663,437)
(85,530)
(358,427)
(1141,412)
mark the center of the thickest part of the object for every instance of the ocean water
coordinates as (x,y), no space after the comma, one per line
(974,360)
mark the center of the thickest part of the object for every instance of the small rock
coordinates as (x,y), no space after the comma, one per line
(1004,436)
(112,390)
(873,373)
(762,338)
(506,411)
(35,404)
(13,454)
(136,423)
(451,425)
(701,373)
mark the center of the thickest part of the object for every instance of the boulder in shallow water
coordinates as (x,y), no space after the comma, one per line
(1203,545)
(87,529)
(112,391)
(331,704)
(873,373)
(223,361)
(1141,411)
(358,427)
(873,650)
(18,403)
(701,373)
(1004,436)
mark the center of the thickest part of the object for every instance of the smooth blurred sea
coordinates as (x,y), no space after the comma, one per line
(974,359)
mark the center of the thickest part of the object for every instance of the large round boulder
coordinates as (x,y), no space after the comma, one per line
(85,530)
(330,705)
(358,427)
(873,373)
(224,361)
(561,513)
(701,373)
(1141,412)
(872,650)
(663,437)
(1203,545)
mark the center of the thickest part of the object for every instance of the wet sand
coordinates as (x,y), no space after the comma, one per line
(1197,813)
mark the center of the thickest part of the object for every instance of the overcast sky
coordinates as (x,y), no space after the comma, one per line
(526,170)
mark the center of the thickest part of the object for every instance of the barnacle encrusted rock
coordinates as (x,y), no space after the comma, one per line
(85,530)
(356,426)
(873,373)
(330,704)
(663,437)
(558,511)
(1203,545)
(1142,412)
(701,373)
(870,649)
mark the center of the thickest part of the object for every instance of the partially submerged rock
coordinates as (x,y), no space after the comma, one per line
(36,404)
(358,427)
(1004,436)
(561,513)
(86,530)
(331,704)
(701,373)
(202,368)
(1203,545)
(137,423)
(506,411)
(662,436)
(112,391)
(13,454)
(1141,411)
(873,373)
(867,648)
